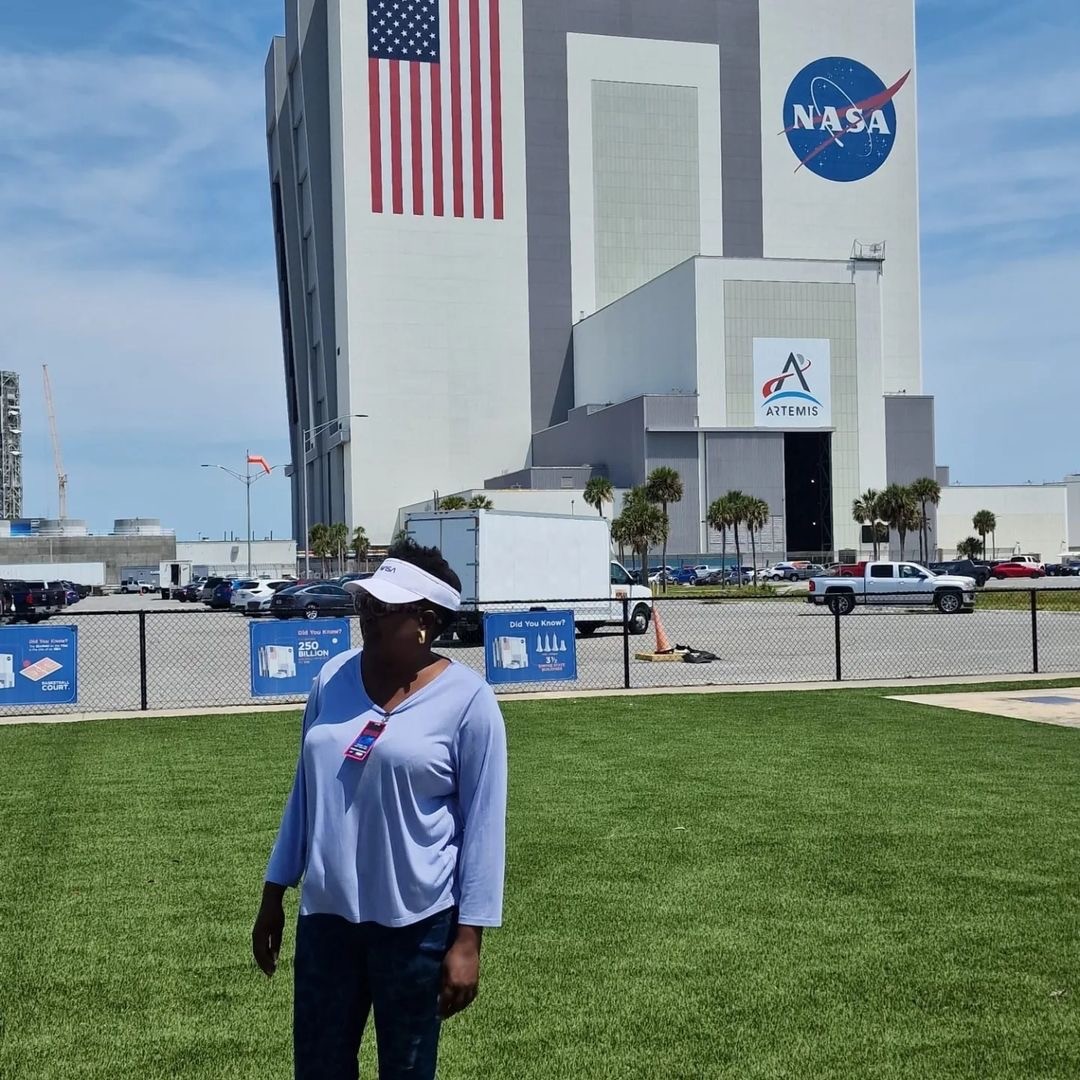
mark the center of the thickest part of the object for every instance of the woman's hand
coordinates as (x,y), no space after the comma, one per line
(269,929)
(461,972)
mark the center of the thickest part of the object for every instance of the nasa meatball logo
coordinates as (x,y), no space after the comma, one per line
(840,119)
(787,398)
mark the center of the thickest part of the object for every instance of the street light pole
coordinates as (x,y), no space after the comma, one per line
(247,480)
(305,434)
(247,484)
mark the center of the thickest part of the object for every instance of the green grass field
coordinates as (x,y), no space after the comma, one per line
(741,886)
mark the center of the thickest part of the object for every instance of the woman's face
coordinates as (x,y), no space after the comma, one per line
(390,628)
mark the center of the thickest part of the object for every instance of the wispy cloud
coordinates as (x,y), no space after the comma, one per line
(112,156)
(1000,153)
(137,260)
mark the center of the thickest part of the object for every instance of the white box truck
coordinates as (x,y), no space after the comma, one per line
(172,577)
(539,561)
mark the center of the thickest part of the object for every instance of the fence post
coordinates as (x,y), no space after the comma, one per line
(626,641)
(839,665)
(142,661)
(1034,632)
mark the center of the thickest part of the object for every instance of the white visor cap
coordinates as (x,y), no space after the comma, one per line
(398,582)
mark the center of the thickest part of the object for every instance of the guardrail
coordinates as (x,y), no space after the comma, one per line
(131,661)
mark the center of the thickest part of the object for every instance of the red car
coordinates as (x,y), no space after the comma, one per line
(1016,569)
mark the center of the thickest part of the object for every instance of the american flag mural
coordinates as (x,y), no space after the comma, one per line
(435,91)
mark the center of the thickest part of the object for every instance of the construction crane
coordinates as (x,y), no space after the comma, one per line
(61,476)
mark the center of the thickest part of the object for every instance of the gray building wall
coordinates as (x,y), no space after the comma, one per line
(646,183)
(910,455)
(679,451)
(116,552)
(731,24)
(298,147)
(610,438)
(751,462)
(560,478)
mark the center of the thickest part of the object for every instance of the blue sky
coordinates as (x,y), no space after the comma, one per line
(136,256)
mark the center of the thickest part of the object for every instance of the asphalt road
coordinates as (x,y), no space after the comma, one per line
(197,658)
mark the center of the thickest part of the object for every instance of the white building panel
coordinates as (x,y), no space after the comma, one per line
(437,334)
(645,343)
(810,214)
(1031,519)
(592,59)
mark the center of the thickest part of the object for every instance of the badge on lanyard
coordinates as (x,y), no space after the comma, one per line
(365,741)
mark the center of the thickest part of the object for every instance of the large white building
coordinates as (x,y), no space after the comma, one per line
(522,234)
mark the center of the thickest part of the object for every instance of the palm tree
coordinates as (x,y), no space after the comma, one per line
(911,520)
(319,543)
(618,536)
(643,525)
(971,548)
(453,502)
(718,517)
(757,517)
(599,490)
(928,493)
(984,522)
(896,505)
(731,510)
(338,541)
(664,486)
(480,502)
(360,544)
(866,511)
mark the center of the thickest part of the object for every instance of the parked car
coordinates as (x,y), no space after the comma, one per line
(899,584)
(50,596)
(344,579)
(208,586)
(29,601)
(792,571)
(317,601)
(71,593)
(132,585)
(190,593)
(240,589)
(252,598)
(686,575)
(221,596)
(1017,570)
(963,568)
(743,575)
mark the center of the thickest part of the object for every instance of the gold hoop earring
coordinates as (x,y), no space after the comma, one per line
(422,636)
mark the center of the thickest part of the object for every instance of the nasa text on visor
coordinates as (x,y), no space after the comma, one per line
(840,119)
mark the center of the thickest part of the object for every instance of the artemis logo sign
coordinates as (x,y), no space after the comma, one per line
(840,118)
(794,383)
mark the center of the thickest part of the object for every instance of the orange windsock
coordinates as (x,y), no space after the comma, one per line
(256,459)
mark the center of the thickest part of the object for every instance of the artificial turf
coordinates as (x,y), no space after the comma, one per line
(749,886)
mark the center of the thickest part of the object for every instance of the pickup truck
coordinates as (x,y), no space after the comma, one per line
(898,584)
(30,601)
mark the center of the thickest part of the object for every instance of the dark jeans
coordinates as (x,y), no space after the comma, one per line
(343,970)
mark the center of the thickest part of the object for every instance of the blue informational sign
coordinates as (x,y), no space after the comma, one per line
(840,119)
(530,646)
(286,656)
(39,665)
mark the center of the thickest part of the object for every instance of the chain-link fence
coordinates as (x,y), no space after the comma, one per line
(179,659)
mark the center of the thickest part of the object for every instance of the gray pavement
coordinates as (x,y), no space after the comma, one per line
(198,659)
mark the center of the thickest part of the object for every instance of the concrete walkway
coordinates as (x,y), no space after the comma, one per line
(1060,707)
(577,695)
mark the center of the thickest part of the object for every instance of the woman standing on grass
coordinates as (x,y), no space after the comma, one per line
(396,824)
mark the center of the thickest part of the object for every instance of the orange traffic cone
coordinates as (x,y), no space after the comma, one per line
(662,643)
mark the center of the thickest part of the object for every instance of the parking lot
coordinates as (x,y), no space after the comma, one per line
(198,658)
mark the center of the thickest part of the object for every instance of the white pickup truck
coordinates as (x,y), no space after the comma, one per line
(897,584)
